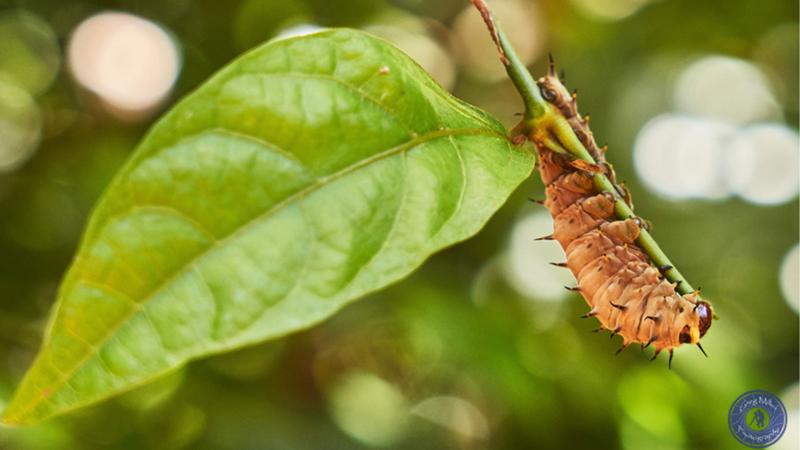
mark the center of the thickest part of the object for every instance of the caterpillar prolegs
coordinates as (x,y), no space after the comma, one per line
(625,291)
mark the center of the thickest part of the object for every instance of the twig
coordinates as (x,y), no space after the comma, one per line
(522,79)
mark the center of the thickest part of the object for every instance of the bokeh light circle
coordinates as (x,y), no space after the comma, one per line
(129,62)
(523,25)
(682,157)
(29,52)
(609,10)
(527,267)
(369,409)
(454,413)
(20,127)
(790,278)
(764,164)
(726,88)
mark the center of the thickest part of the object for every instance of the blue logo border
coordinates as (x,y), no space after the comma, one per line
(770,394)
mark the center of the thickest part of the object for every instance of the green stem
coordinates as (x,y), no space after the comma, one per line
(536,112)
(522,79)
(535,105)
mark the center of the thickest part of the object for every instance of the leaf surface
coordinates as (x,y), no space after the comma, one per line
(307,173)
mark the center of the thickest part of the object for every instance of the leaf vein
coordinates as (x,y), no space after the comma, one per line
(390,234)
(377,102)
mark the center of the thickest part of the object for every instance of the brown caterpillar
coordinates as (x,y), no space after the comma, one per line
(625,291)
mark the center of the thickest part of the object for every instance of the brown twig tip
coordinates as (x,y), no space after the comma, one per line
(483,8)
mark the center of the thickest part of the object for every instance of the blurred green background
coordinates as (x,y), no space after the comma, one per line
(482,347)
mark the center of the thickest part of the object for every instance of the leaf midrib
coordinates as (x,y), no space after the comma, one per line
(320,183)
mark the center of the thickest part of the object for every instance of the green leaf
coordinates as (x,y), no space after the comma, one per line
(306,174)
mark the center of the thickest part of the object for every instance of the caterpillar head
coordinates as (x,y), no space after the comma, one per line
(692,333)
(554,92)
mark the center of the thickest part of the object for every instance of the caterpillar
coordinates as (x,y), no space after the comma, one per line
(626,292)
